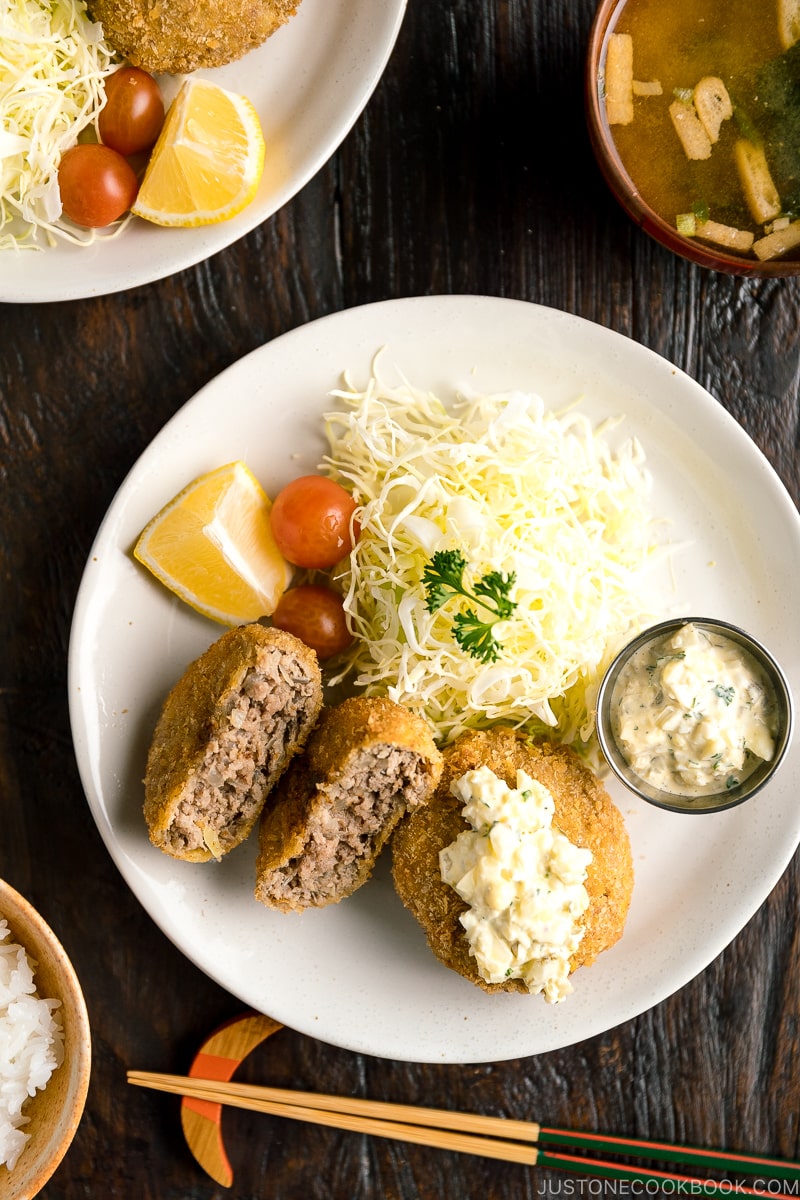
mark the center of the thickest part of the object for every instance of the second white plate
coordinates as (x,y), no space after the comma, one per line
(359,974)
(308,82)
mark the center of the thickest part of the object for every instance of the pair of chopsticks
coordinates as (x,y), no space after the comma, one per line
(489,1137)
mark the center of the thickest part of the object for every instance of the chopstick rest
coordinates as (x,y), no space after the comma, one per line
(490,1137)
(218,1057)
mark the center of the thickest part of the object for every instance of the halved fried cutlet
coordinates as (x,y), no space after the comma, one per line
(367,763)
(227,732)
(584,812)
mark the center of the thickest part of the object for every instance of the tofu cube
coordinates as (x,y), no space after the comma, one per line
(619,79)
(757,184)
(712,105)
(694,139)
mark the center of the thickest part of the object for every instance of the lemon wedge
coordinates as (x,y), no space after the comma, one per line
(208,160)
(212,545)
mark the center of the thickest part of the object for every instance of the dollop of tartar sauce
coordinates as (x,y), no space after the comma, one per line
(523,880)
(693,713)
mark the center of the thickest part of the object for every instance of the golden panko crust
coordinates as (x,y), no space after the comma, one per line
(584,812)
(341,737)
(195,715)
(176,37)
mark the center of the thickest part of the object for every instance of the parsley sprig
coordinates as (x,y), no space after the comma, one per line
(443,578)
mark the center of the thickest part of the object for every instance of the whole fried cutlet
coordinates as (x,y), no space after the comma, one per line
(368,762)
(584,812)
(226,733)
(179,36)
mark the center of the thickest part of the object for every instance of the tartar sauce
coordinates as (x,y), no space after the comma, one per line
(523,880)
(693,713)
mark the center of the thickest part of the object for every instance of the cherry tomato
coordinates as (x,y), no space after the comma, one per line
(97,184)
(315,615)
(134,111)
(311,521)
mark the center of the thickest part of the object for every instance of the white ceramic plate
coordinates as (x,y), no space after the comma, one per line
(359,974)
(309,82)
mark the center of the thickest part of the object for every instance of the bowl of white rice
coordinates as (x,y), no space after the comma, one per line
(45,1049)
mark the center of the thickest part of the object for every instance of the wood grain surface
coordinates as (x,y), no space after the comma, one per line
(469,171)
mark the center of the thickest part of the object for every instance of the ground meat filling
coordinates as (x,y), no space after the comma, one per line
(265,716)
(384,782)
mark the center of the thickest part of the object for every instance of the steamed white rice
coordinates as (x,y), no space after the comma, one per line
(31,1044)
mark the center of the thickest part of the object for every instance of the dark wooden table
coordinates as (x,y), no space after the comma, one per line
(469,171)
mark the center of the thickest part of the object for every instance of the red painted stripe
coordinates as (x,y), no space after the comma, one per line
(213,1066)
(210,1109)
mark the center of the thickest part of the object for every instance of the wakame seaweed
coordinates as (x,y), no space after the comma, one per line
(774,110)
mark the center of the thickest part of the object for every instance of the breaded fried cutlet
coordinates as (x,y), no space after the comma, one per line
(177,37)
(368,762)
(226,733)
(584,812)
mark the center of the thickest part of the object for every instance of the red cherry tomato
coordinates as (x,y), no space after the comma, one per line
(134,111)
(97,184)
(311,521)
(315,615)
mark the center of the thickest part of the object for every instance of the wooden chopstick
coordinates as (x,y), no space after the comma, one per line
(471,1133)
(612,1170)
(355,1116)
(743,1164)
(438,1118)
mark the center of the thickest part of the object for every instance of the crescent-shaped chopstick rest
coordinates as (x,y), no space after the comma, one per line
(218,1058)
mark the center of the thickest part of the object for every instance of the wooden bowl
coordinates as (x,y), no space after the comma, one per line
(54,1112)
(625,188)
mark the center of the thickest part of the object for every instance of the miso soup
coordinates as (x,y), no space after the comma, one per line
(703,103)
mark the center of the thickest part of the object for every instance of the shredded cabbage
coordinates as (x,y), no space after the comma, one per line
(516,488)
(53,61)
